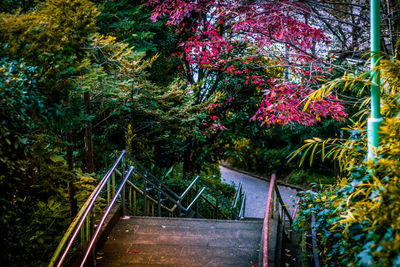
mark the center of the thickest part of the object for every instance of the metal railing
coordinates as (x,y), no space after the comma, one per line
(275,210)
(231,210)
(83,223)
(221,208)
(144,195)
(239,194)
(103,218)
(308,244)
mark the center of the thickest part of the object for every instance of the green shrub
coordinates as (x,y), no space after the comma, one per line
(357,219)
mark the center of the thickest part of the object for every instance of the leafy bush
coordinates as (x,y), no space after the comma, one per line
(357,219)
(246,155)
(308,177)
(211,175)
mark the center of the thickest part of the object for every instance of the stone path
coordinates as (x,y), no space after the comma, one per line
(257,191)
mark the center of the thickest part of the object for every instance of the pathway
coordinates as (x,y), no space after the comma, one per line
(257,191)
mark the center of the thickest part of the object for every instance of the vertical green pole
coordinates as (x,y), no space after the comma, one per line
(375,120)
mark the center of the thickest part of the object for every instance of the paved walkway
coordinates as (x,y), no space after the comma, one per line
(257,191)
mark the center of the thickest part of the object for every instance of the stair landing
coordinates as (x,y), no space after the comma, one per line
(150,241)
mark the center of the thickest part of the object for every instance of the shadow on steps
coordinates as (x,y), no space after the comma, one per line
(290,254)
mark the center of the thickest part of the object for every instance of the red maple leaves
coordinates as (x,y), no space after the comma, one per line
(227,37)
(284,103)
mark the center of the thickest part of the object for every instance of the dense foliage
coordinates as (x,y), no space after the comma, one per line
(225,39)
(357,219)
(180,85)
(69,96)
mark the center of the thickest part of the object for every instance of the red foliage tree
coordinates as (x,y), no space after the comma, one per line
(237,38)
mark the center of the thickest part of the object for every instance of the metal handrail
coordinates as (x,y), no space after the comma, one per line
(81,217)
(170,191)
(214,206)
(237,195)
(294,213)
(178,198)
(267,216)
(242,207)
(177,203)
(220,201)
(87,208)
(129,183)
(161,191)
(285,210)
(188,188)
(103,219)
(269,213)
(314,241)
(195,199)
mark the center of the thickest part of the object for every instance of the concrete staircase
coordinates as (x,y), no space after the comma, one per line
(152,241)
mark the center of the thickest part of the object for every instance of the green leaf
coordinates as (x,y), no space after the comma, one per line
(56,158)
(366,258)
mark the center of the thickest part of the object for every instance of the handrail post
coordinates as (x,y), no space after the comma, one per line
(314,240)
(145,198)
(123,190)
(130,198)
(242,210)
(113,184)
(159,200)
(108,192)
(216,209)
(92,217)
(196,190)
(276,201)
(244,205)
(134,203)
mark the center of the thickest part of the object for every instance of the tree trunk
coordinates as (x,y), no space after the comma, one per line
(187,160)
(88,136)
(70,165)
(71,188)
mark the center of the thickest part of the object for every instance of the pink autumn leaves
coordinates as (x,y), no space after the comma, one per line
(207,48)
(284,102)
(227,37)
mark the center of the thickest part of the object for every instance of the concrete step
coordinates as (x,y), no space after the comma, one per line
(150,241)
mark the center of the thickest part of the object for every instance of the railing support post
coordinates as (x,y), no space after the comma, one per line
(159,201)
(113,184)
(216,209)
(145,198)
(134,202)
(108,192)
(196,210)
(123,190)
(93,256)
(244,205)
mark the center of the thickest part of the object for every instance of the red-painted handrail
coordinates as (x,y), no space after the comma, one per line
(267,219)
(295,209)
(273,206)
